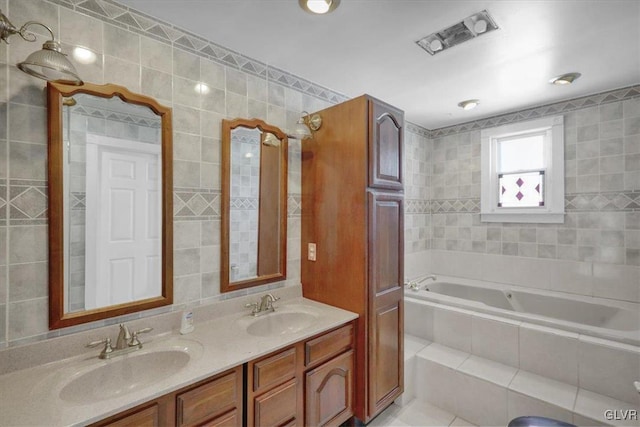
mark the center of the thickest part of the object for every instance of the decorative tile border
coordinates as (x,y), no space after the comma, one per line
(416,206)
(103,113)
(3,202)
(613,201)
(196,204)
(625,201)
(455,206)
(542,111)
(244,203)
(418,130)
(294,205)
(27,202)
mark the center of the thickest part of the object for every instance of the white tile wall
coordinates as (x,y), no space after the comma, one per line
(495,339)
(609,368)
(452,328)
(549,352)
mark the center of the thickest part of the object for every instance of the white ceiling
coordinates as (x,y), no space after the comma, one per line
(367,46)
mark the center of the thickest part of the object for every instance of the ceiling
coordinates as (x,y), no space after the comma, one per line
(368,46)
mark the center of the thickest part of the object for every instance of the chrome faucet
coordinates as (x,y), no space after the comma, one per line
(413,284)
(124,337)
(126,343)
(265,305)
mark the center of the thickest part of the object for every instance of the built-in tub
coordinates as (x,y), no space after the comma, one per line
(585,315)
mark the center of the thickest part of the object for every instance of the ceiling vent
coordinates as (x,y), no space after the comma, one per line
(471,27)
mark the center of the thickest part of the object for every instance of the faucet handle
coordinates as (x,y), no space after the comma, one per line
(254,306)
(134,337)
(107,346)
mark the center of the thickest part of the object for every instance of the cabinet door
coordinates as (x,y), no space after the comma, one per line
(329,392)
(386,291)
(385,146)
(278,406)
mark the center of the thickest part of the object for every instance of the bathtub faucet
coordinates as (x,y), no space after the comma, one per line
(413,284)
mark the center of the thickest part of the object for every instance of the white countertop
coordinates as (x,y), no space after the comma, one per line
(32,396)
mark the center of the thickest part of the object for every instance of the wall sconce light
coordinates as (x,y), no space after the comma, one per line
(306,125)
(49,63)
(270,140)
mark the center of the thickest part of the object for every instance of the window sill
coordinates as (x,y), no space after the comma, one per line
(535,218)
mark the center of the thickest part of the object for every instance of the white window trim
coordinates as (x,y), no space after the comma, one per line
(553,210)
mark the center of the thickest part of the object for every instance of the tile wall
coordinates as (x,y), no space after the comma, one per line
(162,61)
(597,249)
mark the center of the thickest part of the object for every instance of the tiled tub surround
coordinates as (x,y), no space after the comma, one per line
(597,249)
(489,369)
(32,374)
(165,62)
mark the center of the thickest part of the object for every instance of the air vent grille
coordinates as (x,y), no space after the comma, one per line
(469,28)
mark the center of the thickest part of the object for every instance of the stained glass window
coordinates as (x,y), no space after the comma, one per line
(521,189)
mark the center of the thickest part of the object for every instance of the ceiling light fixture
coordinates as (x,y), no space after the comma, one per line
(469,28)
(469,104)
(565,79)
(49,63)
(318,7)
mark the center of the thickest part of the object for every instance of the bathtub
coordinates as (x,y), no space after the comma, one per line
(598,317)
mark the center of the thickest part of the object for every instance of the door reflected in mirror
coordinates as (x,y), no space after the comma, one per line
(254,194)
(110,203)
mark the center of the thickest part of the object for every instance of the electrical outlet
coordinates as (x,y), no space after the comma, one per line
(311,252)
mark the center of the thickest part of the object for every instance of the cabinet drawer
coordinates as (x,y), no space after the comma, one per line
(232,418)
(277,406)
(209,400)
(148,417)
(274,370)
(326,346)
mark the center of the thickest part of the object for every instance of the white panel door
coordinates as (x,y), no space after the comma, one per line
(124,219)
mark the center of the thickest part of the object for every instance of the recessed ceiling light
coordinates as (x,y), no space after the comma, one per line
(565,79)
(319,7)
(84,55)
(469,104)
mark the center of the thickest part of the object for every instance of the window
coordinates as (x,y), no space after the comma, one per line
(523,172)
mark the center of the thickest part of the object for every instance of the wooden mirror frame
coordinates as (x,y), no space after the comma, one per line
(55,94)
(227,126)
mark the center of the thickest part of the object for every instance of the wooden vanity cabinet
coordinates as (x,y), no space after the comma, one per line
(307,384)
(352,210)
(310,383)
(216,401)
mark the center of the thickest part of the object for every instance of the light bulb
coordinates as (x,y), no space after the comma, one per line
(84,55)
(319,6)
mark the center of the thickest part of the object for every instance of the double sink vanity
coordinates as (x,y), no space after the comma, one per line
(257,360)
(281,363)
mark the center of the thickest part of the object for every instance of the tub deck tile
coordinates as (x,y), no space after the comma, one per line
(488,370)
(443,355)
(547,390)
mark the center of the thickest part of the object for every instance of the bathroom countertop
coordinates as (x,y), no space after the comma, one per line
(32,396)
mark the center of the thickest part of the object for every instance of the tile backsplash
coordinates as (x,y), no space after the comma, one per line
(601,233)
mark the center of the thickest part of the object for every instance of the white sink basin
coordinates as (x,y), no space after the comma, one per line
(127,373)
(288,320)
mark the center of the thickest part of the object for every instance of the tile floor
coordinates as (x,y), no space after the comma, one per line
(417,414)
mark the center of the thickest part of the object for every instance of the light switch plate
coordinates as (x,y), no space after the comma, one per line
(311,252)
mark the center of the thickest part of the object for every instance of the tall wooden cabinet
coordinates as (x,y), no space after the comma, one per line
(352,210)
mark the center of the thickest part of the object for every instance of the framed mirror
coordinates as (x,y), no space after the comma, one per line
(254,204)
(110,203)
